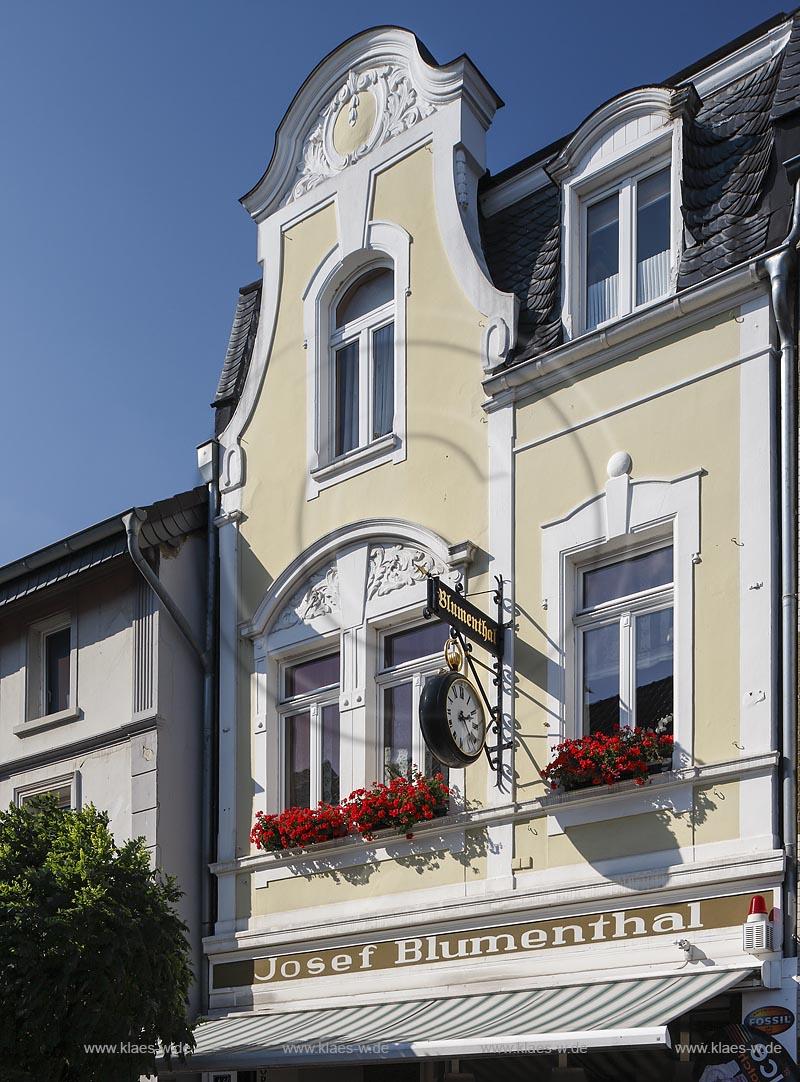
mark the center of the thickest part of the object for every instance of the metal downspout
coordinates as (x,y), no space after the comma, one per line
(208,810)
(133,524)
(781,270)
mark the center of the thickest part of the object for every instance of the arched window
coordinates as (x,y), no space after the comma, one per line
(362,362)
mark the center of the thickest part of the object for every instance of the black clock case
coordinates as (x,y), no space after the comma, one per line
(433,721)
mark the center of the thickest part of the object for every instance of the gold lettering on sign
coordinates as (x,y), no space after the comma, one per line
(618,926)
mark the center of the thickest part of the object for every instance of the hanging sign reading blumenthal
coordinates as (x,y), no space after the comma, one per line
(454,609)
(617,926)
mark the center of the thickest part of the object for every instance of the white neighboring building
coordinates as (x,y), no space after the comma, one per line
(101,694)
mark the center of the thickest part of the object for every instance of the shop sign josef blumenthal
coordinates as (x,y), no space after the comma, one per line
(616,926)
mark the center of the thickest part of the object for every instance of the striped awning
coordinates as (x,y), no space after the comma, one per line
(623,1013)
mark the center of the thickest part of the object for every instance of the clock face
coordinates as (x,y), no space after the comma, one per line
(452,719)
(465,717)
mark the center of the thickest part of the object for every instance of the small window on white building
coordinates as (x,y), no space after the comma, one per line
(310,731)
(625,631)
(56,674)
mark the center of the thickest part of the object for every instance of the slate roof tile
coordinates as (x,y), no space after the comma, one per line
(787,96)
(727,152)
(240,344)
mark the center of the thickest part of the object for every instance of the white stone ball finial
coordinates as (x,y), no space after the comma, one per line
(619,464)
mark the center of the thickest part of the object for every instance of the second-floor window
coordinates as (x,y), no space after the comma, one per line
(361,393)
(310,730)
(624,626)
(56,670)
(626,244)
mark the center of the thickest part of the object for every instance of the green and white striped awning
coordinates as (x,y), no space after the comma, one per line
(623,1013)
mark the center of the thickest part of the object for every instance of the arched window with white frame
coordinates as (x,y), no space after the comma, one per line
(361,392)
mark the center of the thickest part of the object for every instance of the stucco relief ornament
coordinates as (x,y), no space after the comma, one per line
(398,107)
(391,567)
(317,597)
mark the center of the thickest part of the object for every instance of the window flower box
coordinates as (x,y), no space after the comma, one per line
(400,805)
(607,758)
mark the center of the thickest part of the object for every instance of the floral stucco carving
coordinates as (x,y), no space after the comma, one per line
(391,567)
(399,107)
(318,596)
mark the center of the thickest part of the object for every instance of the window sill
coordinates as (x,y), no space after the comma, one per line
(360,458)
(49,721)
(445,833)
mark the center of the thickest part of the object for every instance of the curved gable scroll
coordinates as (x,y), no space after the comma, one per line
(356,570)
(370,90)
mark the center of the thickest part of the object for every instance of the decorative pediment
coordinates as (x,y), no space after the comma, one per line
(365,94)
(369,108)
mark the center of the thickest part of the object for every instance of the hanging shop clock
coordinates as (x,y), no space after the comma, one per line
(452,719)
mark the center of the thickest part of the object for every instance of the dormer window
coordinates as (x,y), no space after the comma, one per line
(627,245)
(362,369)
(620,176)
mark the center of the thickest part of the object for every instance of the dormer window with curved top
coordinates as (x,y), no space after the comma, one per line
(362,362)
(620,177)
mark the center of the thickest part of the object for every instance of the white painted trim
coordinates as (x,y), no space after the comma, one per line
(383,244)
(515,188)
(656,509)
(687,874)
(758,558)
(72,778)
(743,61)
(629,336)
(34,719)
(390,531)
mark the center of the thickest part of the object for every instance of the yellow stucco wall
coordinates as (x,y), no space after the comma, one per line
(442,484)
(667,435)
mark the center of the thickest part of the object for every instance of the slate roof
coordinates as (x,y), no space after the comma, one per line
(735,199)
(167,521)
(240,350)
(736,202)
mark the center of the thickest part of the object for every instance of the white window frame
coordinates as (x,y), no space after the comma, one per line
(624,141)
(311,702)
(24,793)
(359,330)
(416,671)
(623,612)
(387,245)
(625,519)
(35,718)
(627,208)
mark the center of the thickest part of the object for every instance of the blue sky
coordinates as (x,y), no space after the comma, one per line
(129,132)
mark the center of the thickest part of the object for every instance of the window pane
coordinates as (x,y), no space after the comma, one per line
(57,647)
(62,794)
(330,754)
(602,260)
(372,290)
(654,669)
(626,577)
(652,236)
(601,678)
(383,380)
(404,646)
(298,760)
(346,398)
(307,676)
(397,724)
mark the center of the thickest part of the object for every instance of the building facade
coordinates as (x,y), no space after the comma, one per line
(100,694)
(571,384)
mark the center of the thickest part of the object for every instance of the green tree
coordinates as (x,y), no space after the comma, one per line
(92,951)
